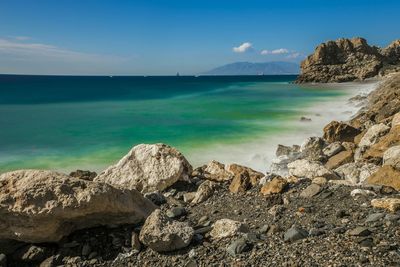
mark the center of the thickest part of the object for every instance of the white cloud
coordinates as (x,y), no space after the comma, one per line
(243,47)
(22,38)
(275,52)
(295,55)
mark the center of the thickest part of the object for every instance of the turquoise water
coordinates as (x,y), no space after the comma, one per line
(67,123)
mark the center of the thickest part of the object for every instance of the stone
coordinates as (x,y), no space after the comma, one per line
(43,206)
(310,191)
(386,175)
(287,150)
(176,212)
(162,234)
(374,217)
(85,175)
(396,120)
(224,228)
(31,254)
(392,157)
(215,171)
(295,233)
(237,247)
(319,180)
(377,150)
(236,169)
(373,134)
(3,260)
(156,197)
(359,231)
(86,249)
(356,172)
(148,168)
(312,148)
(135,242)
(275,186)
(52,261)
(390,204)
(332,149)
(205,190)
(340,132)
(309,169)
(339,159)
(362,192)
(240,183)
(188,197)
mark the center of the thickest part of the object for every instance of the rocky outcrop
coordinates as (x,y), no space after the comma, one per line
(347,60)
(44,206)
(148,168)
(339,131)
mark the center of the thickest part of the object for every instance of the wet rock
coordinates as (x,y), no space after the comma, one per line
(43,206)
(359,231)
(339,159)
(238,246)
(309,169)
(305,119)
(340,131)
(332,149)
(205,190)
(386,175)
(240,183)
(310,191)
(390,204)
(295,233)
(227,228)
(148,168)
(392,157)
(85,175)
(162,234)
(275,186)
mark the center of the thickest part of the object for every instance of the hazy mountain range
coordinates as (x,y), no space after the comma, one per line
(249,68)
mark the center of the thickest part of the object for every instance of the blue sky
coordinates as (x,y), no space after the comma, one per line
(164,37)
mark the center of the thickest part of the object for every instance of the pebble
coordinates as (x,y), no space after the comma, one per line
(238,246)
(295,233)
(359,231)
(374,217)
(176,212)
(310,191)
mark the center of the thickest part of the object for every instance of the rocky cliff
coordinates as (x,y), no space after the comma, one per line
(346,60)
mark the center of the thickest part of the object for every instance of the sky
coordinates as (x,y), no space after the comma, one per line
(163,37)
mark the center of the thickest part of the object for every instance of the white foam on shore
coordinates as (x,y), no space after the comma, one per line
(259,153)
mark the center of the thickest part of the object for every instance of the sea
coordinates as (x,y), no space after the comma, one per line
(66,123)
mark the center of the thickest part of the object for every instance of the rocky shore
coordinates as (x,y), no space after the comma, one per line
(332,201)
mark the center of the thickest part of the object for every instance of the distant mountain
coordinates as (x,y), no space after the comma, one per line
(248,68)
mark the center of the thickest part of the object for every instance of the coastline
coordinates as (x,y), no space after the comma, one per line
(260,152)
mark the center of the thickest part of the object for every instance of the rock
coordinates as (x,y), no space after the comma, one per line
(43,206)
(295,233)
(31,254)
(374,217)
(305,119)
(356,173)
(86,249)
(373,134)
(312,148)
(390,204)
(386,175)
(340,132)
(85,175)
(135,242)
(215,171)
(310,191)
(188,197)
(359,231)
(332,149)
(275,186)
(309,169)
(176,212)
(52,261)
(236,169)
(339,159)
(287,150)
(3,260)
(237,247)
(392,157)
(156,197)
(362,192)
(227,228)
(391,139)
(205,190)
(240,183)
(148,168)
(396,120)
(320,180)
(341,61)
(162,234)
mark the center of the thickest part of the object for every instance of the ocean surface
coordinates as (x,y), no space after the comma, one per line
(75,122)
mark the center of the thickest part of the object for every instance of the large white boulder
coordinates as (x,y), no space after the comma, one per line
(43,206)
(304,168)
(148,168)
(163,234)
(356,173)
(392,157)
(373,134)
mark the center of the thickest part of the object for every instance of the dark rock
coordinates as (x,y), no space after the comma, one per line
(359,231)
(52,261)
(156,197)
(3,260)
(176,212)
(295,233)
(31,254)
(340,132)
(238,246)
